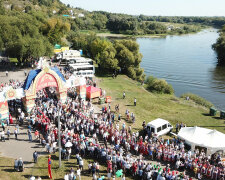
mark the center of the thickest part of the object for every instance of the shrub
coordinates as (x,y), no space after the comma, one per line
(197,99)
(131,73)
(158,85)
(149,80)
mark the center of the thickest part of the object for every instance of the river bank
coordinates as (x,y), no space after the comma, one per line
(113,35)
(151,106)
(108,34)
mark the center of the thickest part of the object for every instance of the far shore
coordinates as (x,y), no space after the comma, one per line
(108,35)
(114,35)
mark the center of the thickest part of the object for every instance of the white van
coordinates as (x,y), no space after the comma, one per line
(159,127)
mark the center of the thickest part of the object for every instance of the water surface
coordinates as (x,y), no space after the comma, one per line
(188,63)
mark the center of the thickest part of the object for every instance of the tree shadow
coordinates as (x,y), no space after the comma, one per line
(54,157)
(36,147)
(219,118)
(119,98)
(42,177)
(9,170)
(206,114)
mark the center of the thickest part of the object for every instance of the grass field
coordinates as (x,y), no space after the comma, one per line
(151,106)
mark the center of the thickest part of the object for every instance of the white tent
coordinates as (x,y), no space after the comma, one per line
(75,81)
(197,136)
(215,141)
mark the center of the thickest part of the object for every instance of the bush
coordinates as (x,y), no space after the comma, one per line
(131,73)
(149,80)
(158,85)
(197,99)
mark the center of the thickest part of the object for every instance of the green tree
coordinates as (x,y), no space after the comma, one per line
(158,85)
(55,29)
(219,47)
(104,53)
(129,58)
(1,44)
(2,9)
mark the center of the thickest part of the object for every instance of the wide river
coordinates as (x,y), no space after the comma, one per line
(188,63)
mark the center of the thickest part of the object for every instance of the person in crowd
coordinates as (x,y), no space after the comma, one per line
(35,156)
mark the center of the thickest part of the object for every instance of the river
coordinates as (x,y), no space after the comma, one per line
(188,63)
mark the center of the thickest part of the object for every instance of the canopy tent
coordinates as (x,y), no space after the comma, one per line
(92,92)
(74,81)
(215,141)
(57,46)
(197,136)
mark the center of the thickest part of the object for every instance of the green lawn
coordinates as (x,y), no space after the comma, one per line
(151,106)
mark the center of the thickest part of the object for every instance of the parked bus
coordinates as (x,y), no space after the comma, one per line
(80,60)
(82,69)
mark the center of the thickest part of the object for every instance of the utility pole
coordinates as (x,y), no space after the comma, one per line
(59,138)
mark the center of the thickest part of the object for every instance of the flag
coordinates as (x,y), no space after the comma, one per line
(49,167)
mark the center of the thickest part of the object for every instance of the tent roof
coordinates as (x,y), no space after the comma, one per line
(157,122)
(202,137)
(92,89)
(33,73)
(57,46)
(215,139)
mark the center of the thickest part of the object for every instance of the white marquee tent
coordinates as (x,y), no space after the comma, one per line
(197,136)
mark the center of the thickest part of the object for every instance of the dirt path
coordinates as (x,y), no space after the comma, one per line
(21,147)
(15,75)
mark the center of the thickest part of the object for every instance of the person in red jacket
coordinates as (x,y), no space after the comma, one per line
(10,119)
(134,167)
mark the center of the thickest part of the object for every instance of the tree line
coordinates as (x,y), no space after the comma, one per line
(219,47)
(126,24)
(142,25)
(27,35)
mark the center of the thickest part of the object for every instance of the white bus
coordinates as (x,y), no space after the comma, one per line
(82,69)
(80,60)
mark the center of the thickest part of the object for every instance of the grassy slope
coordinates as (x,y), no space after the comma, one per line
(151,106)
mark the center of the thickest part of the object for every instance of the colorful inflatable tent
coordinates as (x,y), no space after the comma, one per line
(92,92)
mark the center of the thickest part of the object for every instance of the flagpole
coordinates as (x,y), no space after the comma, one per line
(59,139)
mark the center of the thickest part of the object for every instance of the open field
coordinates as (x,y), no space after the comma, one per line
(151,106)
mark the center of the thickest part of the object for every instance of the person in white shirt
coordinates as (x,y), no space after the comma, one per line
(32,178)
(123,177)
(66,177)
(109,174)
(78,173)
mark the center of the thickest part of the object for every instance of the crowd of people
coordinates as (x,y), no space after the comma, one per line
(15,84)
(103,138)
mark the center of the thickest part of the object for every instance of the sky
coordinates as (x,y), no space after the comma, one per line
(154,7)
